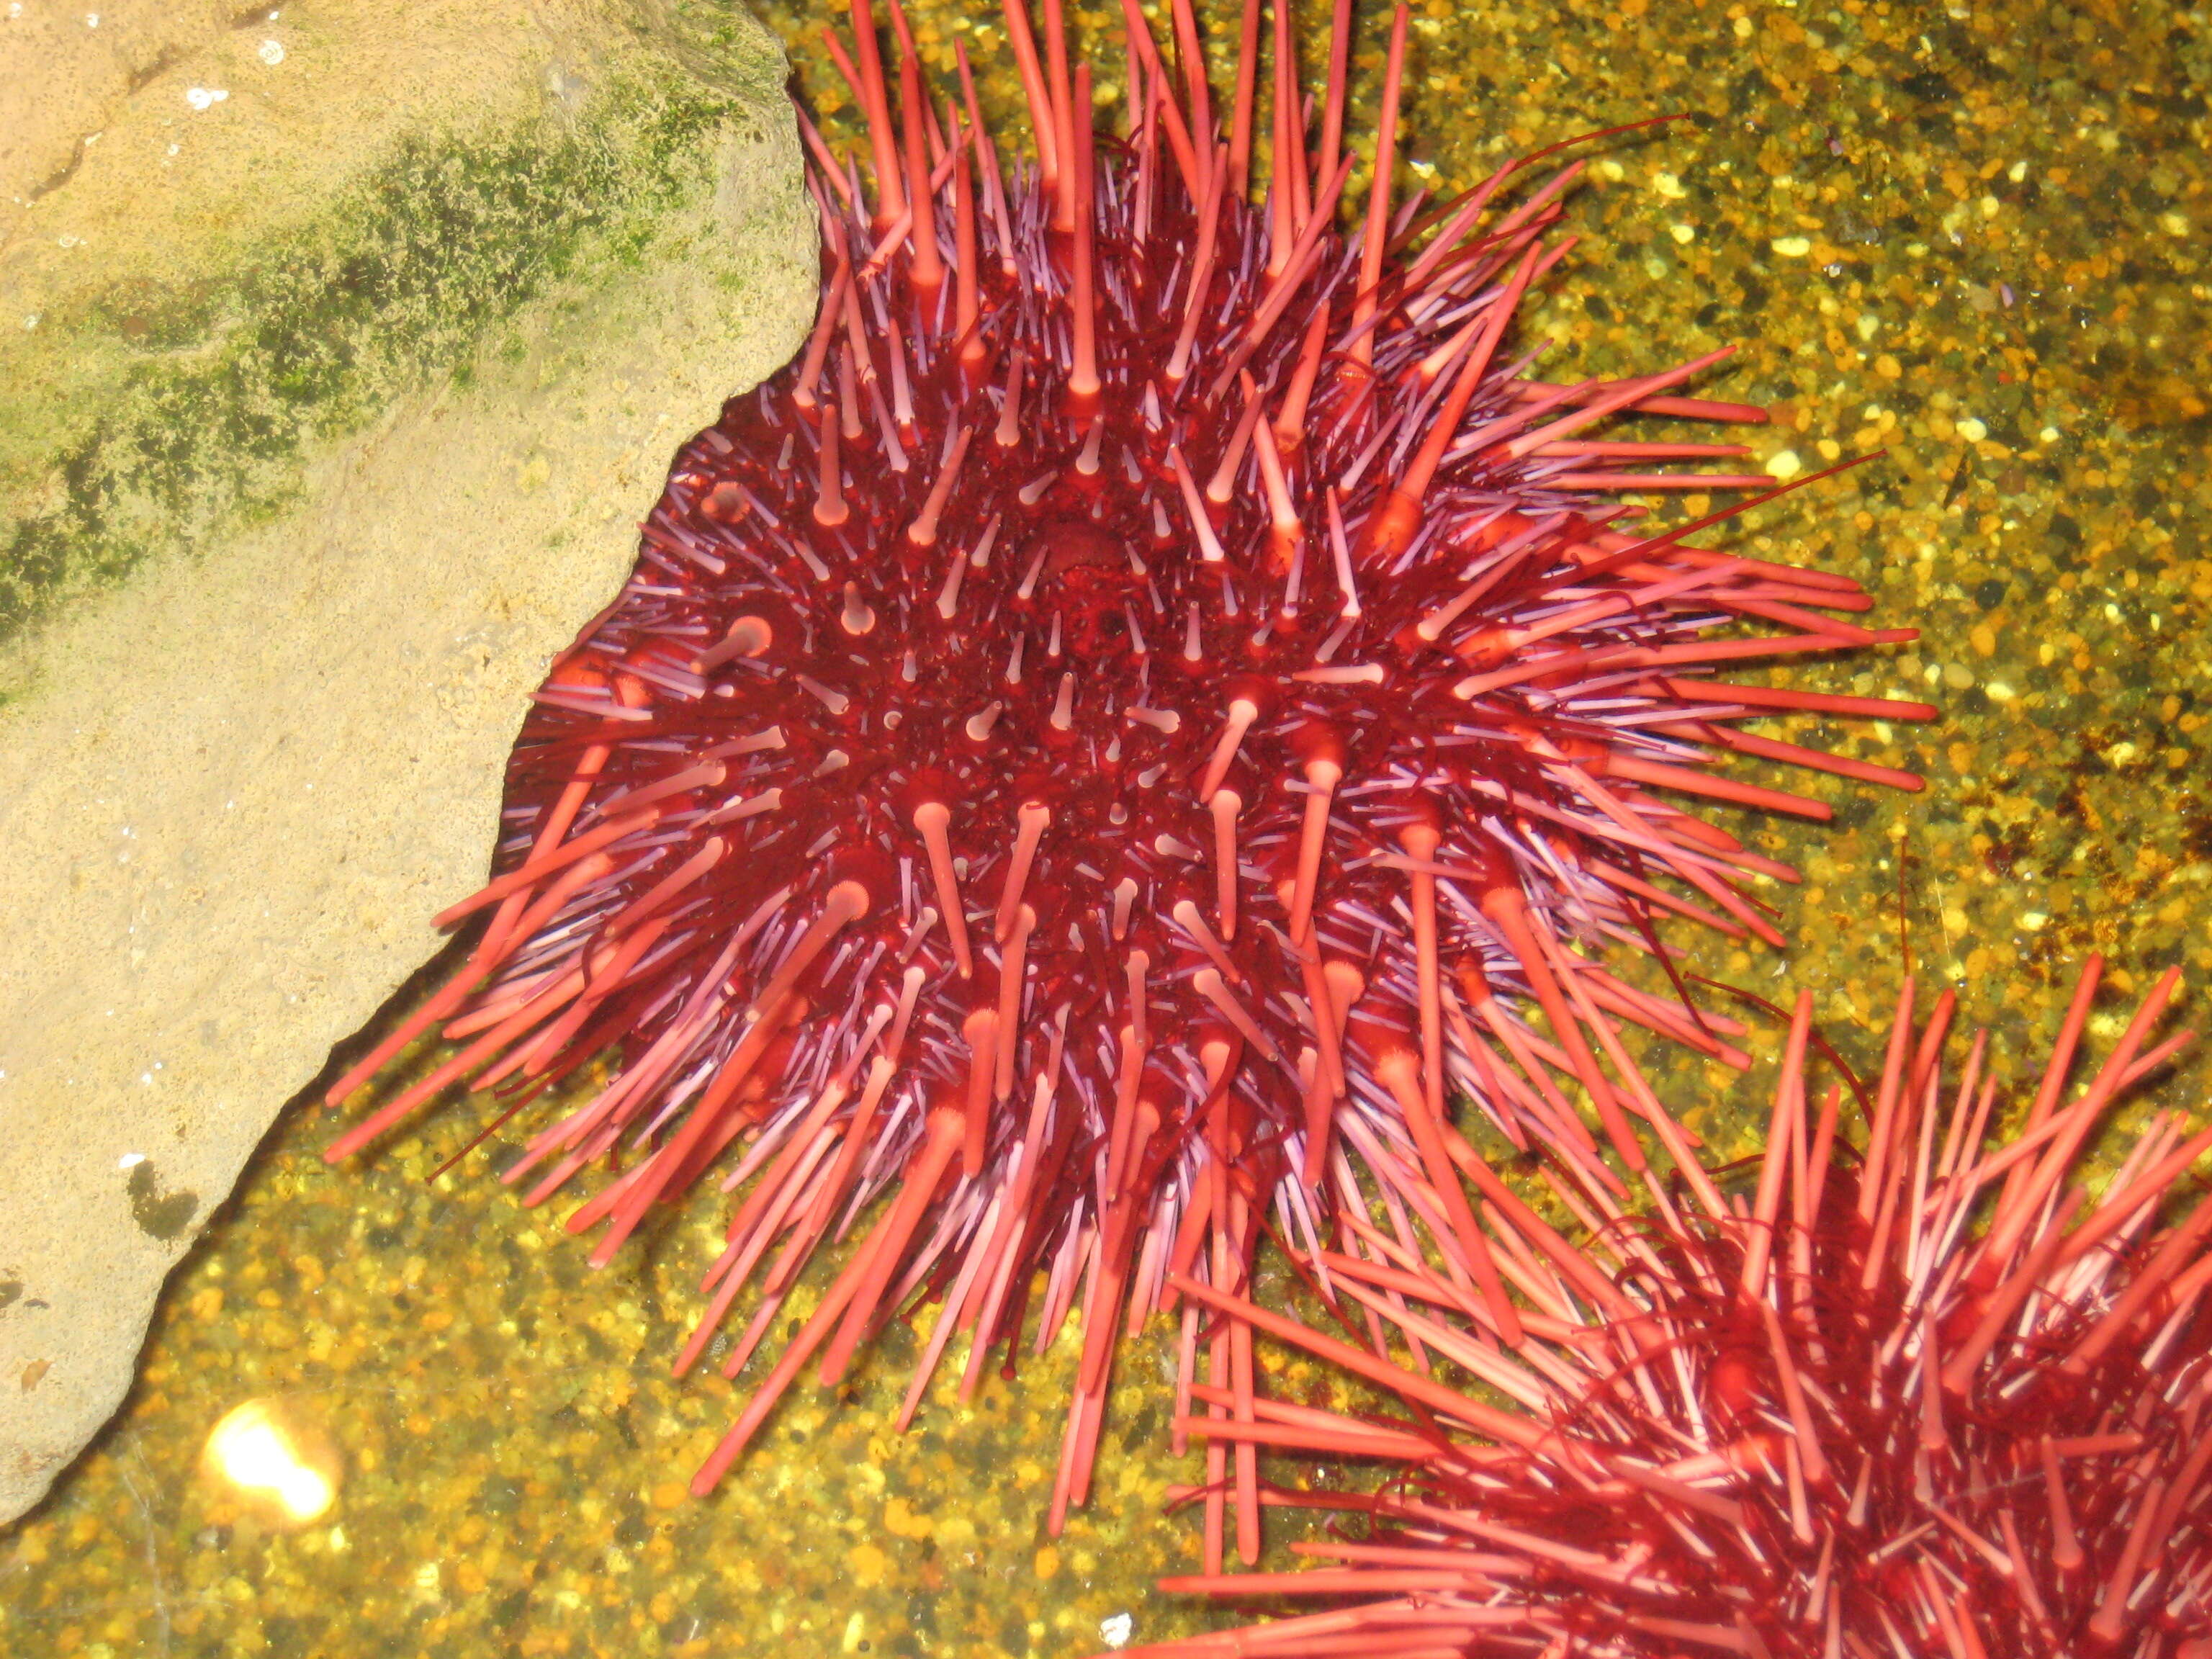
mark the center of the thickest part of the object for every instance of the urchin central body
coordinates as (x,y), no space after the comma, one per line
(1087,739)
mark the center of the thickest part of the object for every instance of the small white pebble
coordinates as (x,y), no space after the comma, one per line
(2050,434)
(1972,429)
(92,19)
(272,52)
(1669,186)
(1783,465)
(1683,233)
(2017,172)
(31,321)
(2173,224)
(1116,1628)
(1792,247)
(1998,692)
(204,97)
(2033,920)
(130,1160)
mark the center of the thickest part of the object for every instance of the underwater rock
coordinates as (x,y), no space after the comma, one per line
(290,554)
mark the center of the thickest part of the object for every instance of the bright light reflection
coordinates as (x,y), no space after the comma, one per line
(268,1462)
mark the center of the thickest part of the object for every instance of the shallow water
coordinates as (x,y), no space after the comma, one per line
(1972,239)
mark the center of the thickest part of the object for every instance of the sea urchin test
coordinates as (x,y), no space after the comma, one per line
(1158,666)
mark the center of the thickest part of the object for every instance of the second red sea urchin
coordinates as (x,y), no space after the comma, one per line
(1947,1395)
(1138,681)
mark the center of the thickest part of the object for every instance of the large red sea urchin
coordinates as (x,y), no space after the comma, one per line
(1133,686)
(1949,1397)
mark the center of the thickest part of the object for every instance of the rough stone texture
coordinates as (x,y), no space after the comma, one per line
(63,69)
(235,786)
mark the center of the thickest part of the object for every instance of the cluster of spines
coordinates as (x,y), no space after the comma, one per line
(1096,735)
(1944,1395)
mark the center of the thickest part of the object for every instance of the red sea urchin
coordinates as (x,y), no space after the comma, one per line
(1937,1400)
(1133,684)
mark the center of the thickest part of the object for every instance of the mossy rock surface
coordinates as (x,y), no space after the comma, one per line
(327,409)
(212,286)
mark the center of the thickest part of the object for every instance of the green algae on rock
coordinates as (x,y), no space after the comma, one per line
(162,399)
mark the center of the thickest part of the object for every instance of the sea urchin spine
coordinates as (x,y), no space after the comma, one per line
(1132,686)
(1946,1397)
